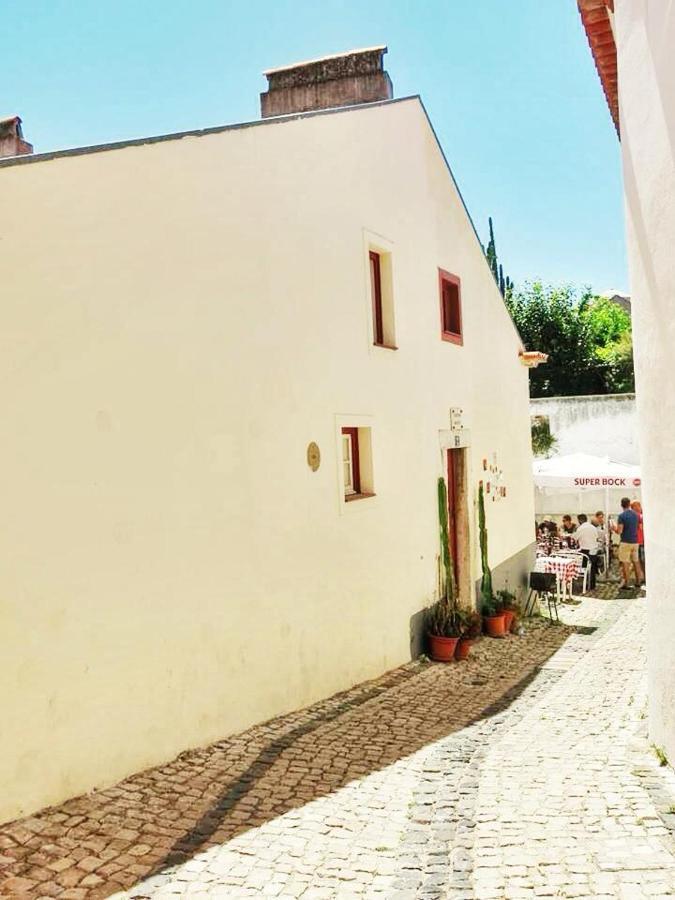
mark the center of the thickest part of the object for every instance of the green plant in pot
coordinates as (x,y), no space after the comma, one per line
(493,614)
(509,605)
(442,617)
(471,626)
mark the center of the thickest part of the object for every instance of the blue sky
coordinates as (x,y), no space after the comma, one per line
(509,84)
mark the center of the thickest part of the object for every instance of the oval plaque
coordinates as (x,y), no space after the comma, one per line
(313,456)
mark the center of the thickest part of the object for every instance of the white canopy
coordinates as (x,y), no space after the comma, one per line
(582,472)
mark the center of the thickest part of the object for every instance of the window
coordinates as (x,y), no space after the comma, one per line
(451,307)
(357,462)
(376,294)
(350,461)
(380,294)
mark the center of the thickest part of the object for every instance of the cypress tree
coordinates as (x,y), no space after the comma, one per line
(503,282)
(491,253)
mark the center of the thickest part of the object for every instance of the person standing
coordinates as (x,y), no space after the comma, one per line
(598,521)
(627,529)
(567,526)
(586,536)
(636,506)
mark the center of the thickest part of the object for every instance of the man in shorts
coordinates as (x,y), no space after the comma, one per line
(627,529)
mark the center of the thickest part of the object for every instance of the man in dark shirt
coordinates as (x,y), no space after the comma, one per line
(627,529)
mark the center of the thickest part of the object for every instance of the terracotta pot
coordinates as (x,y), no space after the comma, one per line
(442,649)
(464,646)
(494,625)
(509,617)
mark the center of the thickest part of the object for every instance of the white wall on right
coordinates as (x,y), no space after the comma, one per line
(600,425)
(645,36)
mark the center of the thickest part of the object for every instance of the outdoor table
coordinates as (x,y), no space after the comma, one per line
(564,569)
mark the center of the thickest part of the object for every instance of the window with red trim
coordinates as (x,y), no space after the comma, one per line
(356,459)
(451,307)
(350,461)
(376,294)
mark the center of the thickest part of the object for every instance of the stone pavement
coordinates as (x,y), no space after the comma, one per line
(521,773)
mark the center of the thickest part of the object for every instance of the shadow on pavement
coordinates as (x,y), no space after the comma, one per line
(162,817)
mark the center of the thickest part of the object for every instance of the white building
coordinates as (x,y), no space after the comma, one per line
(633,44)
(229,359)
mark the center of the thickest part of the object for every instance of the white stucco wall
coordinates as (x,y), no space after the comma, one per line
(601,425)
(178,321)
(645,32)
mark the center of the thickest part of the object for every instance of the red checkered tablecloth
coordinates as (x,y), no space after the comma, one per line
(565,569)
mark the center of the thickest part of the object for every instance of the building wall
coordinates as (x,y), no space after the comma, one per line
(602,425)
(178,321)
(645,33)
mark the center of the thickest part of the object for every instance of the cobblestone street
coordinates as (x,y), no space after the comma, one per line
(523,772)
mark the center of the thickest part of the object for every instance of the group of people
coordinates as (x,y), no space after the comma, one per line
(590,538)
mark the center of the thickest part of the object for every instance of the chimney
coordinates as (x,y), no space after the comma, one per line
(345,79)
(11,138)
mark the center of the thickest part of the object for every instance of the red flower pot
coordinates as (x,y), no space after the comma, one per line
(463,648)
(509,616)
(442,649)
(494,625)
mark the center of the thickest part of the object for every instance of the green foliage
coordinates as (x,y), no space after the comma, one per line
(606,321)
(470,624)
(543,442)
(491,253)
(507,599)
(486,581)
(442,619)
(618,360)
(584,335)
(449,588)
(504,283)
(488,607)
(660,754)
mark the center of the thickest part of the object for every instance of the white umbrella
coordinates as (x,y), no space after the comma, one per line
(583,475)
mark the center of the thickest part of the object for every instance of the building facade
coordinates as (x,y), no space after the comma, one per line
(632,43)
(235,363)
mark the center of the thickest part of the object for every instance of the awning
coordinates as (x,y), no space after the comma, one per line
(582,472)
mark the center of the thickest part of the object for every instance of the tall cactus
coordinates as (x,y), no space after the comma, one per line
(446,556)
(486,580)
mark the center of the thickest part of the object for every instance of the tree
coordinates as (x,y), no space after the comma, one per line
(503,282)
(618,360)
(588,341)
(607,321)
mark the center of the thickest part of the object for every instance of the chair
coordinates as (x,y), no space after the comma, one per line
(543,586)
(582,562)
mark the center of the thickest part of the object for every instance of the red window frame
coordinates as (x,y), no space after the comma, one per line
(353,434)
(376,294)
(450,292)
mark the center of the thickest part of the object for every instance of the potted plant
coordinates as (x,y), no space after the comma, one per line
(443,617)
(471,626)
(509,605)
(493,615)
(443,630)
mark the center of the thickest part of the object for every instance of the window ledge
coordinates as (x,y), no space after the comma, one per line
(452,338)
(349,498)
(385,346)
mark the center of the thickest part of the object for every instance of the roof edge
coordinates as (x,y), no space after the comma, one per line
(470,218)
(597,22)
(8,161)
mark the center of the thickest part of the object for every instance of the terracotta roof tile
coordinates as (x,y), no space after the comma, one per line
(595,15)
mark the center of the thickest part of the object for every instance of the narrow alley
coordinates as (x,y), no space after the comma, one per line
(524,772)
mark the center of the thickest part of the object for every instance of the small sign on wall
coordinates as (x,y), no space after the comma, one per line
(313,456)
